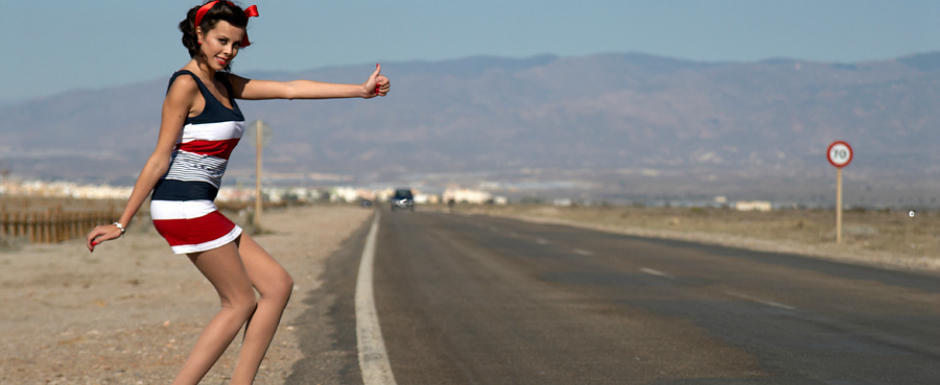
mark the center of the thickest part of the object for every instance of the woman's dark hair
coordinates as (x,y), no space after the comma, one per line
(223,10)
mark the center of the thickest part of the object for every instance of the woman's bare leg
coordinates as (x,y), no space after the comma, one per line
(275,286)
(224,269)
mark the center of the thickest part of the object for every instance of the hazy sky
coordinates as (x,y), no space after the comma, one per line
(51,46)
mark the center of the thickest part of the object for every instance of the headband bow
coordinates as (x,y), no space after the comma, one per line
(251,11)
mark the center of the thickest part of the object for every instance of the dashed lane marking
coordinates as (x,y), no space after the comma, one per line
(541,241)
(657,273)
(373,358)
(760,300)
(583,252)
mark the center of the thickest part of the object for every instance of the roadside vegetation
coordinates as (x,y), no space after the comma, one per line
(885,237)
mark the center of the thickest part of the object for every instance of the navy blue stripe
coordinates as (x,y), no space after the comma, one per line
(177,190)
(214,111)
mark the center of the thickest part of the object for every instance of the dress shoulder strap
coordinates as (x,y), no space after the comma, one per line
(202,87)
(214,109)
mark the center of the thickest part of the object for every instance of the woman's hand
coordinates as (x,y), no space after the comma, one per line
(377,85)
(101,234)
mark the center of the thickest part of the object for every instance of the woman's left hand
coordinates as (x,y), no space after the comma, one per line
(101,234)
(377,85)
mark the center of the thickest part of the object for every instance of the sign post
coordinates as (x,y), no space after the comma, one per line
(261,137)
(839,155)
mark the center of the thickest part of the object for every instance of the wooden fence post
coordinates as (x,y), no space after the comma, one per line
(16,224)
(30,227)
(46,227)
(24,225)
(73,228)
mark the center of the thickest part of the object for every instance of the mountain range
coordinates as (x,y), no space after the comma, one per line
(603,127)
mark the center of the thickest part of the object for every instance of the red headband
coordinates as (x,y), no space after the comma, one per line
(251,11)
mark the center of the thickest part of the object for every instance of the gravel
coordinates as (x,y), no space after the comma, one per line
(130,312)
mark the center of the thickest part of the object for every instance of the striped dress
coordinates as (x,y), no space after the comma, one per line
(182,204)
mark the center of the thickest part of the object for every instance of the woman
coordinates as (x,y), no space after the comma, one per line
(201,124)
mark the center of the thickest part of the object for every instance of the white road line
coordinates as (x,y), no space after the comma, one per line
(656,273)
(583,252)
(760,300)
(541,241)
(373,359)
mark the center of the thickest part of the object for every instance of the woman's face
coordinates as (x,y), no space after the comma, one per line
(221,44)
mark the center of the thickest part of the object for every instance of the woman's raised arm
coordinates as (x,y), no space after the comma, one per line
(243,88)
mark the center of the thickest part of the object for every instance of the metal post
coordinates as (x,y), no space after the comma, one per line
(839,205)
(258,198)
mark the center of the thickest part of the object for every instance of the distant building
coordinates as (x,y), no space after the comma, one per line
(352,194)
(422,198)
(467,196)
(753,206)
(235,194)
(64,189)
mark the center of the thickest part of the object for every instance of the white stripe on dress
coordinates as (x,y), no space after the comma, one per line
(184,249)
(213,131)
(160,209)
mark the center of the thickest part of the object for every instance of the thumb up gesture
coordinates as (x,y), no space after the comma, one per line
(377,85)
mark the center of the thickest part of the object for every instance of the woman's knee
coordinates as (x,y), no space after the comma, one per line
(243,305)
(290,286)
(278,289)
(285,286)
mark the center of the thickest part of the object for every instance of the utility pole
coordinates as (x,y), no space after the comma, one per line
(259,143)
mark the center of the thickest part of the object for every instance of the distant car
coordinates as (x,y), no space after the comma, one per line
(403,199)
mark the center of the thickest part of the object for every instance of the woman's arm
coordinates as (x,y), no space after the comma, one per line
(376,85)
(176,107)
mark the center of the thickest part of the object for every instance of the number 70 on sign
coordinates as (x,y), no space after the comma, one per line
(839,154)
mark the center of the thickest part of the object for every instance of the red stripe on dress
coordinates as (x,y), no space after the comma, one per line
(193,231)
(218,148)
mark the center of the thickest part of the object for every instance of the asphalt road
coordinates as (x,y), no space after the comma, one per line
(480,300)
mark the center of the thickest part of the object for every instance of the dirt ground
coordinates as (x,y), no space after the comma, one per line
(130,312)
(891,239)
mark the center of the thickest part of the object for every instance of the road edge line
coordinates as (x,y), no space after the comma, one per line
(373,358)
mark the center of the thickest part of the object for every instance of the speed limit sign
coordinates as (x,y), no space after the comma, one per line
(839,154)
